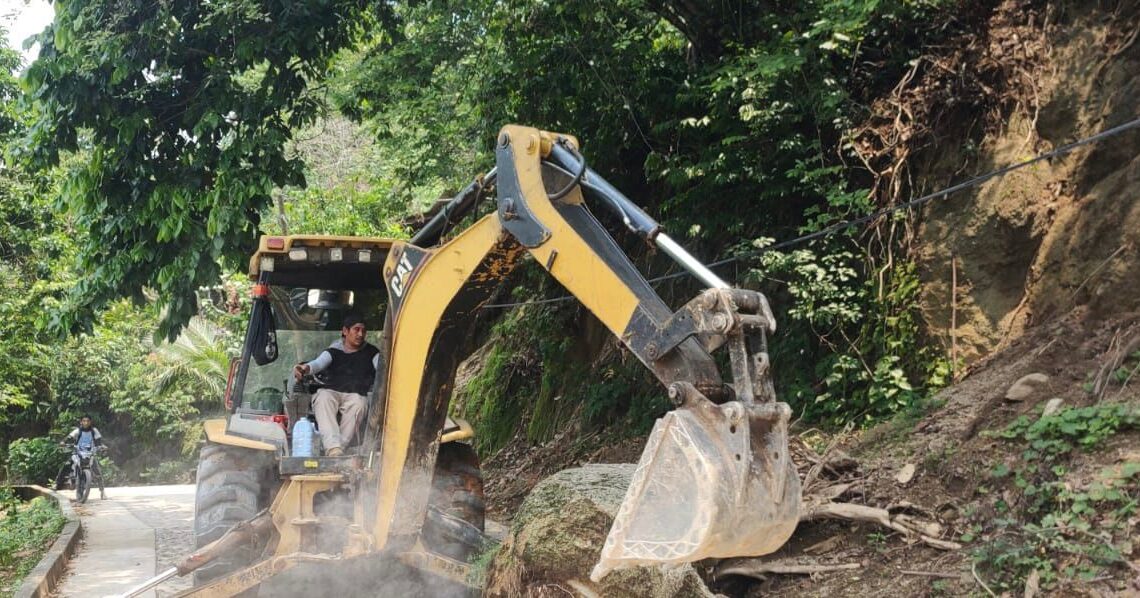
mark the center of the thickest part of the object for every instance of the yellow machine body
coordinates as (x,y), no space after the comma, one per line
(716,479)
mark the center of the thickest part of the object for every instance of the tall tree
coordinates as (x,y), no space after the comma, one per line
(29,241)
(183,110)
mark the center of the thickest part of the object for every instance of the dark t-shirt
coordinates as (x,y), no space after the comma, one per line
(347,372)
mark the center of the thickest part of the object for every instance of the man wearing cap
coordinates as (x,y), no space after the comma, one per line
(349,366)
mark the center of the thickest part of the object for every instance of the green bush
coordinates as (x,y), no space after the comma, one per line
(26,530)
(112,474)
(860,330)
(625,392)
(35,460)
(170,472)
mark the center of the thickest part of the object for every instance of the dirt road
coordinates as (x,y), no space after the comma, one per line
(134,533)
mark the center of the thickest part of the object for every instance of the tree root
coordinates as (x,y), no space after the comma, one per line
(755,567)
(1118,351)
(910,526)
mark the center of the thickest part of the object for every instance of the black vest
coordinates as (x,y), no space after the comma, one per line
(351,372)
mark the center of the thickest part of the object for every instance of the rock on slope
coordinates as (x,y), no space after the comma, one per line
(557,536)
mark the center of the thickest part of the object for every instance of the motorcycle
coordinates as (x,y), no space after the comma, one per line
(84,471)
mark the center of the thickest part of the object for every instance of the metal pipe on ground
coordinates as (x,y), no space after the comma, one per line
(236,535)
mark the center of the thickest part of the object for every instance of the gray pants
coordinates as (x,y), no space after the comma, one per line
(351,406)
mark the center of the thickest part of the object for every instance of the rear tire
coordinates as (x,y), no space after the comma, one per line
(456,508)
(233,485)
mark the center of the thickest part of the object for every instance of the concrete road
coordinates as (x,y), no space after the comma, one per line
(128,537)
(140,530)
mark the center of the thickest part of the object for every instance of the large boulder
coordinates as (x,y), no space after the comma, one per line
(558,534)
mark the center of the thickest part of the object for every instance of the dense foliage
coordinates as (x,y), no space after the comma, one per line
(26,231)
(35,460)
(1044,517)
(731,123)
(26,532)
(531,379)
(165,391)
(158,139)
(183,112)
(146,140)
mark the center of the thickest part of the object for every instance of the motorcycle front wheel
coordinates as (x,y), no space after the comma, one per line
(82,486)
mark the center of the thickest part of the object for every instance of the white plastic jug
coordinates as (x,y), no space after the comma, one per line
(303,438)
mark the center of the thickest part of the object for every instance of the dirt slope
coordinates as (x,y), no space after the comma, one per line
(1046,266)
(955,452)
(1028,247)
(954,448)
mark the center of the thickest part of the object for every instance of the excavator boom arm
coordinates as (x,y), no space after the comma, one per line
(436,294)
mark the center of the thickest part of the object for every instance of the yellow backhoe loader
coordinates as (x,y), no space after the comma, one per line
(715,480)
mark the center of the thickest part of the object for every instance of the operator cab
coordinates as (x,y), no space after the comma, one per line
(306,284)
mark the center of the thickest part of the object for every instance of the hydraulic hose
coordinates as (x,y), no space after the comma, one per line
(634,218)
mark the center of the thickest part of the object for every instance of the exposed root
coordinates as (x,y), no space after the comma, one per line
(1118,351)
(925,531)
(583,588)
(977,578)
(812,476)
(937,574)
(754,567)
(820,492)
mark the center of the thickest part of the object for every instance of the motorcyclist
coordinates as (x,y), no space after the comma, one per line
(85,437)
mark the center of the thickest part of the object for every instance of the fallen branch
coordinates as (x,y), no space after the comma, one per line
(584,589)
(974,570)
(829,493)
(910,508)
(931,574)
(817,468)
(1116,359)
(825,546)
(758,568)
(902,523)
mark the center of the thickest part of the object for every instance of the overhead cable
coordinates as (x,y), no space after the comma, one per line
(834,228)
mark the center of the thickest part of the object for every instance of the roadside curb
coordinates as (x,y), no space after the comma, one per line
(44,578)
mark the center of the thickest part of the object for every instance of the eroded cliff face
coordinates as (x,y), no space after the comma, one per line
(1028,247)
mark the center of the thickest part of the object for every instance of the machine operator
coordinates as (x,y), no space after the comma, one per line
(349,366)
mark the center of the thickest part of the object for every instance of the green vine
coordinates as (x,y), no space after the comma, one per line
(1046,521)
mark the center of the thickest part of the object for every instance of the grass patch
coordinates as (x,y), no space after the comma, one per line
(537,378)
(900,427)
(481,562)
(27,529)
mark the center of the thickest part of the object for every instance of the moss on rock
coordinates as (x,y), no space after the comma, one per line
(559,532)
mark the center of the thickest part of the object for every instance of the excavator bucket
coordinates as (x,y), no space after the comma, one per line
(714,481)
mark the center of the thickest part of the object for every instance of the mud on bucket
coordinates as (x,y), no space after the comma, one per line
(714,481)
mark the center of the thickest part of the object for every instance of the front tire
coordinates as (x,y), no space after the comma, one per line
(456,508)
(82,486)
(233,485)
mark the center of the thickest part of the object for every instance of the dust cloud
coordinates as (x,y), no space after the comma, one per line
(375,574)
